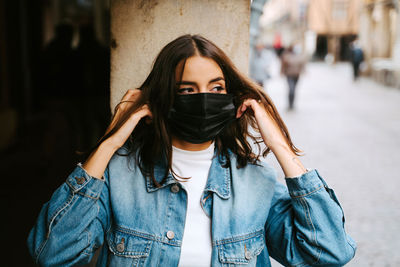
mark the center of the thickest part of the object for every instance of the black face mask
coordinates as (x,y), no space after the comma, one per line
(197,118)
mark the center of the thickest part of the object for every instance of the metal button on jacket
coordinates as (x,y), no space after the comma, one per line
(175,188)
(80,180)
(121,245)
(170,235)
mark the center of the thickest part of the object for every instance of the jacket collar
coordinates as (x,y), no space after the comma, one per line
(218,180)
(159,172)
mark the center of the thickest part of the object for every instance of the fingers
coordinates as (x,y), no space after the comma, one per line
(131,94)
(142,112)
(248,103)
(145,110)
(127,100)
(121,135)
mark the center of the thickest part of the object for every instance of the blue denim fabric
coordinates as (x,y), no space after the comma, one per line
(253,217)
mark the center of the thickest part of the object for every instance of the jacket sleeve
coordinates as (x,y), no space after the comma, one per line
(71,226)
(305,226)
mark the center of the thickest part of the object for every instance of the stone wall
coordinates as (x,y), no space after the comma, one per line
(139,29)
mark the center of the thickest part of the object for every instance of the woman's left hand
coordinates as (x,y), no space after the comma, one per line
(269,129)
(273,137)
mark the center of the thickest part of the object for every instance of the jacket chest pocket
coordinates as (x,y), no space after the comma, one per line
(241,250)
(127,249)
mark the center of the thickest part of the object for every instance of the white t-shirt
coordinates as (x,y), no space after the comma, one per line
(196,244)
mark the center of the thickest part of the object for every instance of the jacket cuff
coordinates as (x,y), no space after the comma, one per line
(305,184)
(82,183)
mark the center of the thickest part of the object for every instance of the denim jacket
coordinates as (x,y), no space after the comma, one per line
(252,216)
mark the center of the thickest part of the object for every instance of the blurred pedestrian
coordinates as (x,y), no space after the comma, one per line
(58,79)
(278,45)
(292,65)
(357,57)
(259,66)
(93,65)
(58,65)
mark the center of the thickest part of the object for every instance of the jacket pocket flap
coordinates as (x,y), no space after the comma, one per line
(128,245)
(242,249)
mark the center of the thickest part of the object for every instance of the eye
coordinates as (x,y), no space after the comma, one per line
(218,89)
(184,91)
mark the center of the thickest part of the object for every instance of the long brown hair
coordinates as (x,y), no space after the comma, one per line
(148,141)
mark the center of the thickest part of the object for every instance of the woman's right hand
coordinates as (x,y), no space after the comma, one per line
(98,160)
(118,139)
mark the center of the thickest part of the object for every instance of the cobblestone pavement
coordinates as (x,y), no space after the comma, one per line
(350,132)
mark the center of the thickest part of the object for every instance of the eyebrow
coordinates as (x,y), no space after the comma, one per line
(193,83)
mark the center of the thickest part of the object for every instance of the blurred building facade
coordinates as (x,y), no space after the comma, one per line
(319,27)
(379,35)
(378,27)
(336,24)
(325,29)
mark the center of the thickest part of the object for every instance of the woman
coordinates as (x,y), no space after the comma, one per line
(174,180)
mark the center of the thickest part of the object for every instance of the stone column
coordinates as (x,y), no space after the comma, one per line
(396,46)
(382,33)
(366,32)
(139,29)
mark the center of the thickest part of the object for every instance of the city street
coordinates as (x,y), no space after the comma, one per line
(350,132)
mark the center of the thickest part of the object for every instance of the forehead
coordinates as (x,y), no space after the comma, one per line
(198,68)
